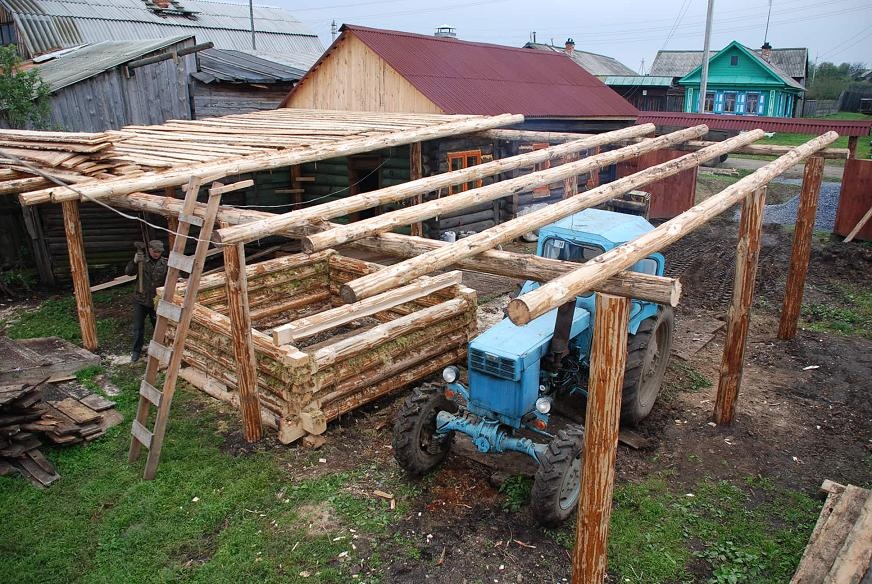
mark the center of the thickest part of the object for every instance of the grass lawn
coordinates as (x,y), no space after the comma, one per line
(278,514)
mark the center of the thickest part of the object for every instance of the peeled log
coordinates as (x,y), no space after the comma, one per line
(405,271)
(548,296)
(213,170)
(278,223)
(498,190)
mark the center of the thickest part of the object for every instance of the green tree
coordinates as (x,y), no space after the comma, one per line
(24,96)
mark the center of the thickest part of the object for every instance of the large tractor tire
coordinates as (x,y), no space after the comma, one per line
(557,484)
(417,447)
(647,357)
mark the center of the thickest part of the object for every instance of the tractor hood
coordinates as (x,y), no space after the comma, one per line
(506,349)
(607,228)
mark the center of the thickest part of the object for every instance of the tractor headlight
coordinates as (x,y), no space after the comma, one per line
(543,405)
(450,374)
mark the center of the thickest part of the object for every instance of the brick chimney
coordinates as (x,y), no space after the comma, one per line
(570,46)
(766,52)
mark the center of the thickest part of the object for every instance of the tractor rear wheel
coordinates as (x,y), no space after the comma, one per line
(557,484)
(647,357)
(417,447)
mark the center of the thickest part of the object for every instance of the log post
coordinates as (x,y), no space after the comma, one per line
(608,359)
(243,344)
(739,315)
(173,221)
(416,171)
(79,273)
(799,258)
(852,146)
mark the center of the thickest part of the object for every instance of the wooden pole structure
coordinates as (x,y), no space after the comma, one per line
(551,295)
(243,346)
(265,161)
(279,223)
(739,315)
(607,363)
(799,257)
(79,273)
(852,146)
(403,272)
(172,221)
(387,221)
(416,172)
(502,263)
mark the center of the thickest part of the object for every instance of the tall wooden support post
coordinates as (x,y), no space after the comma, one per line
(416,171)
(172,221)
(608,359)
(243,345)
(739,316)
(79,273)
(799,257)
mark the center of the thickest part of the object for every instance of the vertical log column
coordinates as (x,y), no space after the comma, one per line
(799,257)
(739,316)
(172,221)
(79,273)
(416,171)
(852,146)
(608,359)
(243,345)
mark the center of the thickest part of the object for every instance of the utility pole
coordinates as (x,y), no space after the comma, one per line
(333,31)
(705,57)
(251,18)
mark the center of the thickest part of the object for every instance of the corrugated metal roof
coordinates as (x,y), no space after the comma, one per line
(476,78)
(785,125)
(90,60)
(238,67)
(637,80)
(593,63)
(47,25)
(680,63)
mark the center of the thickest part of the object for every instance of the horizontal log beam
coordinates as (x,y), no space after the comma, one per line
(215,169)
(403,272)
(502,263)
(446,205)
(536,136)
(300,217)
(548,296)
(311,325)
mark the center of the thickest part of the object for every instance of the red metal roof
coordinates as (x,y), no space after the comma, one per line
(477,78)
(785,125)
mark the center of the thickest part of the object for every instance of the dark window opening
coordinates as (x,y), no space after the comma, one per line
(734,60)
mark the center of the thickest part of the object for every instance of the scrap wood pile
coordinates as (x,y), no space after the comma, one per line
(31,414)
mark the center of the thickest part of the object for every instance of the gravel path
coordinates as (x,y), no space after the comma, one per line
(785,213)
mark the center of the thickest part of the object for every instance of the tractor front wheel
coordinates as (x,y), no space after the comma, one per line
(647,357)
(557,484)
(417,446)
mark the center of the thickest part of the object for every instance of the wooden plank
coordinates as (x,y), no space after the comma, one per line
(150,392)
(141,433)
(169,310)
(311,325)
(112,283)
(739,315)
(853,560)
(180,262)
(860,224)
(79,412)
(817,561)
(191,219)
(97,403)
(160,352)
(608,359)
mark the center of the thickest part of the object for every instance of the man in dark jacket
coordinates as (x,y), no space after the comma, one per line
(150,268)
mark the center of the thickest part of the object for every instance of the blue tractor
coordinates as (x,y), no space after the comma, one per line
(516,372)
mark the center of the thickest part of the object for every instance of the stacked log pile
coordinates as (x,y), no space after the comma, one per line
(31,414)
(334,372)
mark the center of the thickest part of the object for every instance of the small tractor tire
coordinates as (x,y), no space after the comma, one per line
(557,484)
(647,357)
(417,447)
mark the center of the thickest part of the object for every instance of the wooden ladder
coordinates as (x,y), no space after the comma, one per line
(168,310)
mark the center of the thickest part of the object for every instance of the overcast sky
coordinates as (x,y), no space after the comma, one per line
(630,31)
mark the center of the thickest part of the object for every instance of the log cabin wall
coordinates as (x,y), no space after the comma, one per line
(323,386)
(222,99)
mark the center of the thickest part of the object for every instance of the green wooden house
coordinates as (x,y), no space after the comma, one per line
(741,82)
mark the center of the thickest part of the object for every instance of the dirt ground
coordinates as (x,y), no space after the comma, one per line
(795,425)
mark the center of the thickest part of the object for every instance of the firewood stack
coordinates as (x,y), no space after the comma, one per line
(29,417)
